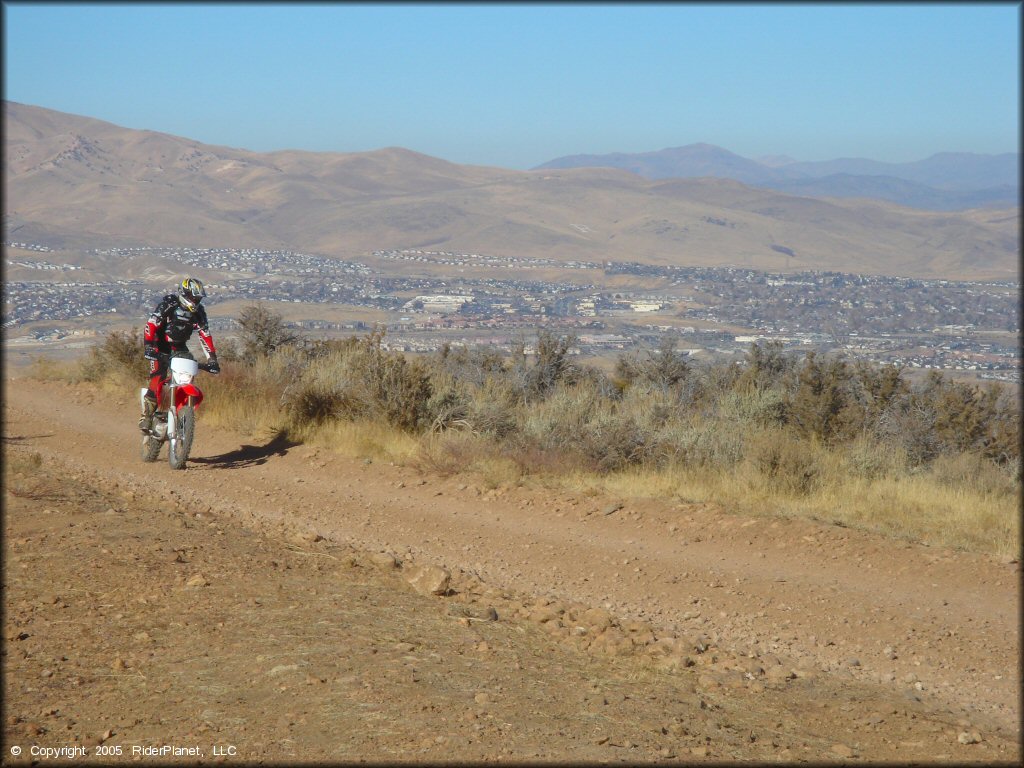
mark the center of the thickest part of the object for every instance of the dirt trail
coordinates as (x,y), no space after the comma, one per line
(877,623)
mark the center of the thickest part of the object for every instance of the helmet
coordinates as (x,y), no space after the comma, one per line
(190,293)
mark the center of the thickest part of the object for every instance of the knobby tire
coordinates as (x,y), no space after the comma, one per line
(181,443)
(150,448)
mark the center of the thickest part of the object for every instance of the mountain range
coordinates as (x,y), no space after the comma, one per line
(947,181)
(76,182)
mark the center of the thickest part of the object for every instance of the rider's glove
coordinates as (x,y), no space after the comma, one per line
(213,365)
(151,353)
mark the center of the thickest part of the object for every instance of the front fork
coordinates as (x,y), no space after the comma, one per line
(172,412)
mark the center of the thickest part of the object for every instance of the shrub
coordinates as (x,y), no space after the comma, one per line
(448,404)
(628,370)
(974,472)
(872,390)
(946,416)
(492,409)
(823,407)
(755,407)
(705,386)
(448,454)
(785,463)
(961,413)
(401,391)
(316,401)
(705,444)
(970,418)
(662,370)
(1002,441)
(118,355)
(557,422)
(613,440)
(552,365)
(531,459)
(263,331)
(471,366)
(230,351)
(766,365)
(909,423)
(362,380)
(579,424)
(868,459)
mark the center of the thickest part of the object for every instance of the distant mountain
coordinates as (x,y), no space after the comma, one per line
(692,161)
(775,161)
(960,171)
(944,182)
(898,191)
(75,182)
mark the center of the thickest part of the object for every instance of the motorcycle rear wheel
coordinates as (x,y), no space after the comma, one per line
(181,444)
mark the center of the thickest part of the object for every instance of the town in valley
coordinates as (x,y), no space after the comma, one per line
(427,298)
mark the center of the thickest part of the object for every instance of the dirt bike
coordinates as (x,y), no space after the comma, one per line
(175,426)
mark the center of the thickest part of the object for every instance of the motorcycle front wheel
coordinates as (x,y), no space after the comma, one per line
(150,448)
(181,443)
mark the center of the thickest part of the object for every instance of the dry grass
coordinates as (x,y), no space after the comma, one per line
(48,369)
(477,457)
(361,440)
(982,515)
(919,508)
(249,404)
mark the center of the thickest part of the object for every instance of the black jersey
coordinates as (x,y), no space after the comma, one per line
(171,325)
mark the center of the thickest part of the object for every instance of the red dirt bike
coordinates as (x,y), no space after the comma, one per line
(176,425)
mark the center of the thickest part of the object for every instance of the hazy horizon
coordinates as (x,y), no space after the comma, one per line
(515,86)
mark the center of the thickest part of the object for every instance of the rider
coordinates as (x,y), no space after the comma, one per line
(168,329)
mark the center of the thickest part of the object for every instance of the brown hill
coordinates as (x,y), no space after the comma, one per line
(80,180)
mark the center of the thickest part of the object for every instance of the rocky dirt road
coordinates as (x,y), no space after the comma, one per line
(261,599)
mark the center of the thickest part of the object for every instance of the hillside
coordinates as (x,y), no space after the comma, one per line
(268,603)
(76,182)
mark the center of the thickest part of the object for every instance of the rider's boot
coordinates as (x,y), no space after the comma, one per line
(148,409)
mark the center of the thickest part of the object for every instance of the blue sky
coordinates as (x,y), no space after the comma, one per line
(515,85)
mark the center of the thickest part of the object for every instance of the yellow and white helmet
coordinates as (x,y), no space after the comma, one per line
(190,293)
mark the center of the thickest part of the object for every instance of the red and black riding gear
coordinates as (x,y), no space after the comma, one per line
(168,330)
